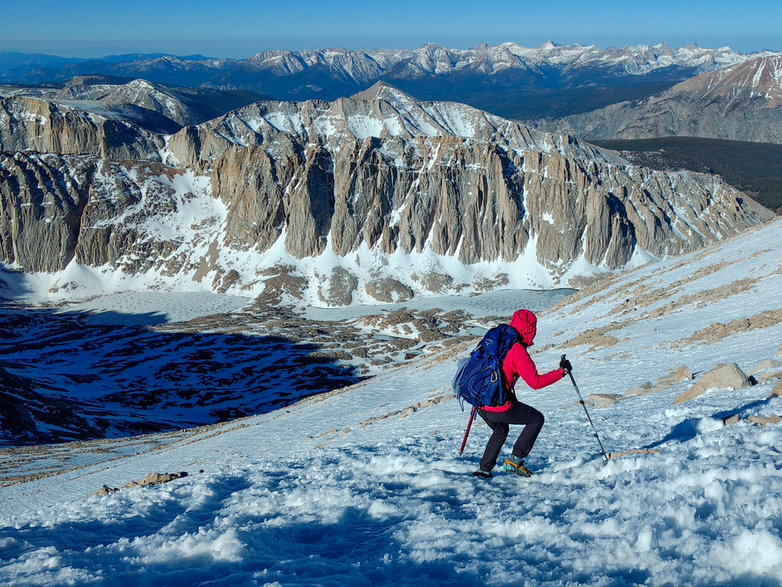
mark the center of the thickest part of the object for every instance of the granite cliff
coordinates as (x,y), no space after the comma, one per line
(378,196)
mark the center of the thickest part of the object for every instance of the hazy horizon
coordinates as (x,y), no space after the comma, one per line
(92,29)
(87,55)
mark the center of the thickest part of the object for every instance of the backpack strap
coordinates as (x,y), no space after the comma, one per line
(509,338)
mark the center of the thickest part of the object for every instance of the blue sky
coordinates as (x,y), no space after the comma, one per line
(239,28)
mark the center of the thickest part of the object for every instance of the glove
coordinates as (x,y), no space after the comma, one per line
(565,365)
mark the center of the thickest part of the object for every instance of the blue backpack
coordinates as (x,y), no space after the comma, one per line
(478,379)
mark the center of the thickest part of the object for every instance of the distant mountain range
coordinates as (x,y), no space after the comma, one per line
(742,102)
(507,79)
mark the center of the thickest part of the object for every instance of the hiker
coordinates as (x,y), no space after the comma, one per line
(517,363)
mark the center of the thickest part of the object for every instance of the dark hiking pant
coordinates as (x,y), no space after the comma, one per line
(499,422)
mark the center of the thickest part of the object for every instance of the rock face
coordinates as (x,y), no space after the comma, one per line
(56,209)
(373,183)
(742,102)
(41,208)
(91,115)
(385,171)
(40,125)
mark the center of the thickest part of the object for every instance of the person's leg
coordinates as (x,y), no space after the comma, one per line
(533,421)
(494,445)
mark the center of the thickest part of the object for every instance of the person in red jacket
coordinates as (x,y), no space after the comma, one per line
(517,363)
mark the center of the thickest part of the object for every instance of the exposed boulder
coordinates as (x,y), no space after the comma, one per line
(150,479)
(683,374)
(766,365)
(156,479)
(764,420)
(643,389)
(723,376)
(106,490)
(338,287)
(389,290)
(665,382)
(603,400)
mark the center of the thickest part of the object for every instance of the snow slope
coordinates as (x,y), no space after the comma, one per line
(363,485)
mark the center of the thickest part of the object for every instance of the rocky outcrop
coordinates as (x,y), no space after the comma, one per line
(127,215)
(31,124)
(41,207)
(723,376)
(336,288)
(389,290)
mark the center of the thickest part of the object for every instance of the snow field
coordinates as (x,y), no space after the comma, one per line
(134,307)
(389,502)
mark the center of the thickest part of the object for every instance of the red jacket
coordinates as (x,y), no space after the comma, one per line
(518,363)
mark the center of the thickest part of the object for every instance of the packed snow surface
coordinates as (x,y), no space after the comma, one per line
(363,485)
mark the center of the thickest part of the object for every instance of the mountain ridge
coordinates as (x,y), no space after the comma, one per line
(430,72)
(742,102)
(351,199)
(434,58)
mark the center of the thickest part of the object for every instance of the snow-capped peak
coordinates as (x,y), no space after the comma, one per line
(381,91)
(761,76)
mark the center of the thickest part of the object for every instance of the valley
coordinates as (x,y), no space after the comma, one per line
(118,365)
(754,168)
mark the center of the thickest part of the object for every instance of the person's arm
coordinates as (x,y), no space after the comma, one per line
(523,364)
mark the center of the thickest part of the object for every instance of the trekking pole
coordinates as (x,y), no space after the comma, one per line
(581,400)
(467,432)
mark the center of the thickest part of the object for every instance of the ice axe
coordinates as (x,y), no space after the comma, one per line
(581,401)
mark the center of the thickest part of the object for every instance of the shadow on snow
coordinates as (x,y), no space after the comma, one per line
(63,377)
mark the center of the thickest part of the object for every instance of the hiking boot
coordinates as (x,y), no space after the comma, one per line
(483,474)
(516,465)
